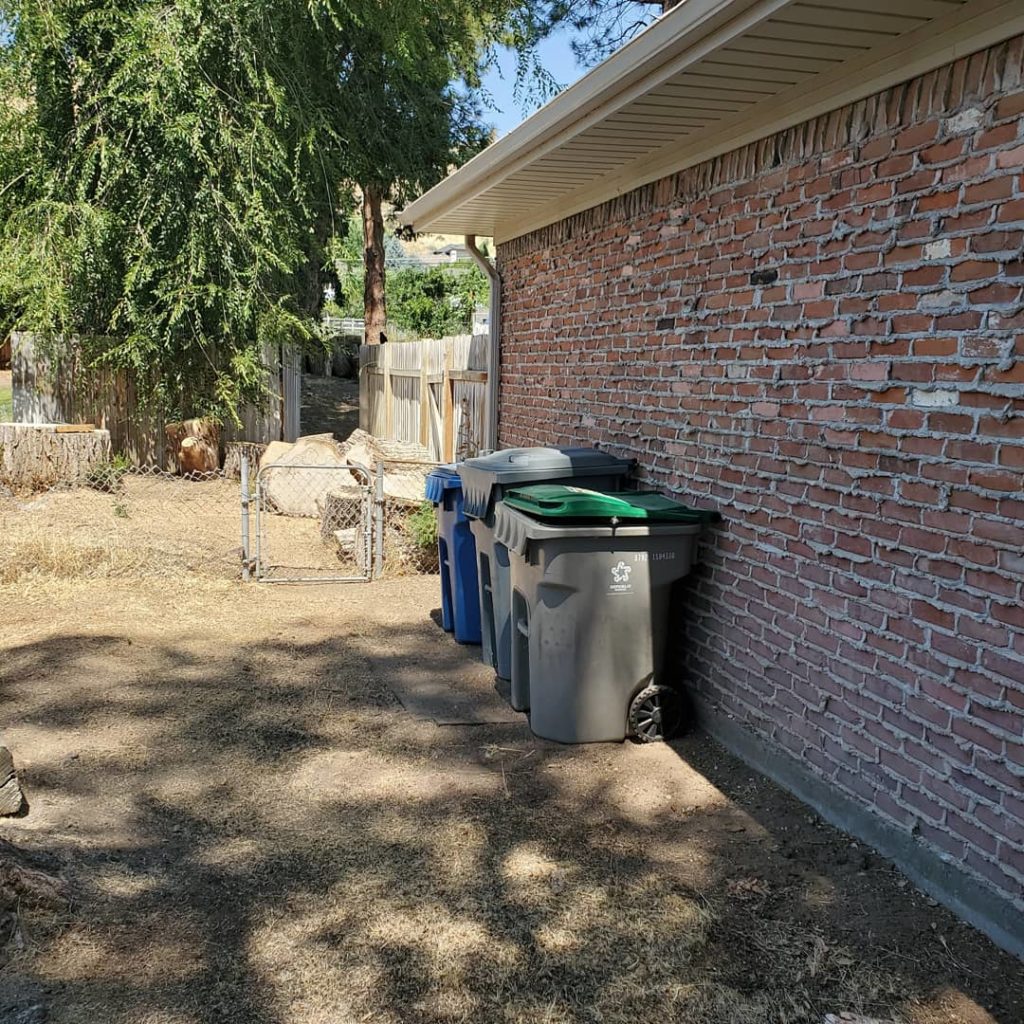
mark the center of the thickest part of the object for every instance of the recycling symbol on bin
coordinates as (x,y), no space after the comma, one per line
(620,572)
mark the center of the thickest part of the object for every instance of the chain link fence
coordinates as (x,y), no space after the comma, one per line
(408,522)
(275,523)
(313,523)
(331,523)
(123,522)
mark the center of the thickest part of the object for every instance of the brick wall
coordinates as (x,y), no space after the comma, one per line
(822,335)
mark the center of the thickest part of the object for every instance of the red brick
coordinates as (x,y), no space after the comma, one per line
(947,199)
(1010,106)
(1011,158)
(1011,212)
(998,136)
(871,564)
(997,241)
(971,270)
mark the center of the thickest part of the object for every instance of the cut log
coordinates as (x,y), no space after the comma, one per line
(182,458)
(406,464)
(198,457)
(233,452)
(351,547)
(36,456)
(341,510)
(295,478)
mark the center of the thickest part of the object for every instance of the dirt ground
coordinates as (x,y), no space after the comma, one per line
(329,405)
(257,832)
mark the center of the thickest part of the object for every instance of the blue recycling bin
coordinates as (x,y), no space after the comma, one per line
(456,551)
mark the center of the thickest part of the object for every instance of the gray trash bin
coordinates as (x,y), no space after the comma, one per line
(484,480)
(590,605)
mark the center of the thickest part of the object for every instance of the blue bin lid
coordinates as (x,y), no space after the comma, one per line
(439,480)
(481,475)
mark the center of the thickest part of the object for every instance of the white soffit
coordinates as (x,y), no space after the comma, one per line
(706,77)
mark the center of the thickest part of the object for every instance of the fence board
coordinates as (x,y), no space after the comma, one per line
(432,391)
(45,394)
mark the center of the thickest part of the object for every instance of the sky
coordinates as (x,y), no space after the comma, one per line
(557,58)
(555,55)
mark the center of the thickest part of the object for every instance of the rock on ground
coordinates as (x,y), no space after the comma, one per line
(11,797)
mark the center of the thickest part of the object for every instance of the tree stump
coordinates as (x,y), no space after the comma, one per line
(193,446)
(39,455)
(340,510)
(233,452)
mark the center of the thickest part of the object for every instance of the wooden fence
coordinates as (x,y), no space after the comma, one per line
(42,394)
(430,392)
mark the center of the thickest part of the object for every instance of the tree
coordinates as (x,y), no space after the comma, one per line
(412,99)
(439,301)
(408,125)
(604,26)
(169,186)
(169,174)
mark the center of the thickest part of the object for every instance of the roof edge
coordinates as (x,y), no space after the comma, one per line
(960,37)
(641,58)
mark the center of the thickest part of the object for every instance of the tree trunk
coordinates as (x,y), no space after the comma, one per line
(233,452)
(374,303)
(37,456)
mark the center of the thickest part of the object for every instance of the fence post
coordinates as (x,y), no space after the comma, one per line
(448,404)
(244,469)
(389,392)
(378,504)
(364,391)
(424,397)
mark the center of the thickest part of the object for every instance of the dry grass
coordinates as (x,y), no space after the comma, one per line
(151,528)
(49,557)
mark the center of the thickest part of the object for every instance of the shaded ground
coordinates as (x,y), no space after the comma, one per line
(258,832)
(329,405)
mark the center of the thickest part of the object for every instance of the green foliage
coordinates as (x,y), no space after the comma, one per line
(167,186)
(422,526)
(108,475)
(171,174)
(437,302)
(432,302)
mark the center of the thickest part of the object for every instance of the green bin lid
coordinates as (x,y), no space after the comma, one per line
(562,501)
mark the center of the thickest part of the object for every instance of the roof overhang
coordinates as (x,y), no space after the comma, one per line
(705,78)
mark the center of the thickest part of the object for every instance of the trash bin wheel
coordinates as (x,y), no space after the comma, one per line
(656,713)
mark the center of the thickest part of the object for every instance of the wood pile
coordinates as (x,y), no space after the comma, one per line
(11,797)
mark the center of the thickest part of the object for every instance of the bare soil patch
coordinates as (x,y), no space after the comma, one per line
(255,830)
(330,405)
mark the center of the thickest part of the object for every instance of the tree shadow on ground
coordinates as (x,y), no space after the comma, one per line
(330,405)
(264,836)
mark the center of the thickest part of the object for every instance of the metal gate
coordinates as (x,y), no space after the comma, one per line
(314,524)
